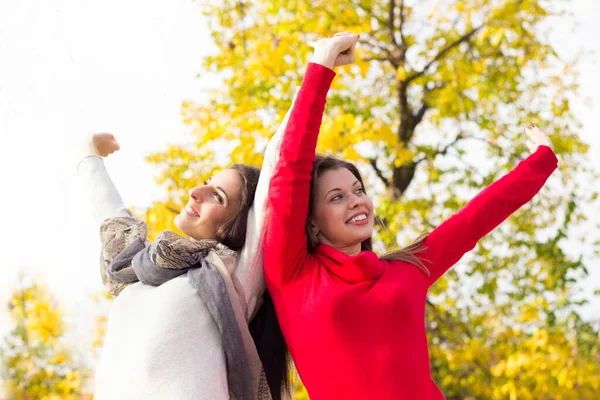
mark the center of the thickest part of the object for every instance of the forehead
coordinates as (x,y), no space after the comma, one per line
(230,181)
(340,178)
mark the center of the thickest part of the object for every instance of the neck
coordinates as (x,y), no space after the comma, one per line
(351,250)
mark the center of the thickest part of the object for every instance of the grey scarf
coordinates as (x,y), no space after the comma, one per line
(128,257)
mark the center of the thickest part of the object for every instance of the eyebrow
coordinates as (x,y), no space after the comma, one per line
(338,189)
(224,192)
(220,189)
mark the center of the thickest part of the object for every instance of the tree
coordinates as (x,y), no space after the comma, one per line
(36,362)
(432,112)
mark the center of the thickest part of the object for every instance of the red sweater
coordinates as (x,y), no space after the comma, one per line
(355,324)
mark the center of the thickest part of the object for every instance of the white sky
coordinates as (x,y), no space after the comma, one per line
(68,67)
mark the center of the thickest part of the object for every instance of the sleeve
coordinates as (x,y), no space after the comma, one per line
(249,264)
(446,245)
(106,203)
(100,190)
(285,239)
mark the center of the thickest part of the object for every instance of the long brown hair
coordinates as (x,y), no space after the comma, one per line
(409,254)
(264,327)
(232,233)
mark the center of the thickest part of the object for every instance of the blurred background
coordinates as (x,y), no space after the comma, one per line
(432,111)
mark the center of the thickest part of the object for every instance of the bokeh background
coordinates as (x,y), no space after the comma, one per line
(432,111)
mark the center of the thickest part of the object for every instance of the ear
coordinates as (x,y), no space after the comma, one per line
(314,230)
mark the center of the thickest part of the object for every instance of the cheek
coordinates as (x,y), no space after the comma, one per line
(218,216)
(369,204)
(330,217)
(214,214)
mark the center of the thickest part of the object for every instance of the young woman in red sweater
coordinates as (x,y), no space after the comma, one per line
(354,322)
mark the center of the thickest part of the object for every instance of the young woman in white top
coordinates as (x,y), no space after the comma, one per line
(162,341)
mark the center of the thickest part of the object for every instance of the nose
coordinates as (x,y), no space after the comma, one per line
(197,193)
(356,201)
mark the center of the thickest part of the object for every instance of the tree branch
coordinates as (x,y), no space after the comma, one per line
(373,162)
(385,50)
(443,151)
(375,59)
(458,137)
(444,51)
(418,117)
(391,18)
(401,28)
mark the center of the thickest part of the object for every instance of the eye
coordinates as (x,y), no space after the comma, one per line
(360,190)
(336,197)
(218,197)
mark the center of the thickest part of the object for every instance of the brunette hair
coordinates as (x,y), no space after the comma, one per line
(264,327)
(409,254)
(232,233)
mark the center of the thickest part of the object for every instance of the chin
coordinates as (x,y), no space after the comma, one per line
(178,223)
(186,232)
(368,233)
(362,238)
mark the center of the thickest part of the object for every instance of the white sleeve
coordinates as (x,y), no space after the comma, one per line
(249,265)
(102,193)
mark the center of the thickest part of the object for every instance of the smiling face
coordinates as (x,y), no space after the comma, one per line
(211,205)
(342,214)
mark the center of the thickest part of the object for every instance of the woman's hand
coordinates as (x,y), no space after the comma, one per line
(537,138)
(102,144)
(336,50)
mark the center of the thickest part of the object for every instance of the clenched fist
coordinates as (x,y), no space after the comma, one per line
(102,144)
(537,138)
(336,50)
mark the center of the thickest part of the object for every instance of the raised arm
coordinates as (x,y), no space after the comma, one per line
(95,181)
(102,193)
(249,264)
(460,233)
(285,244)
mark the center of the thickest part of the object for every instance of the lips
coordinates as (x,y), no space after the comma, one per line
(191,211)
(358,219)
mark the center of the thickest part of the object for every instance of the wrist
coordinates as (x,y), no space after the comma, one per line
(324,57)
(92,149)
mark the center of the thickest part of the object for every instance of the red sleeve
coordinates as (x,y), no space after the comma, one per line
(285,239)
(461,232)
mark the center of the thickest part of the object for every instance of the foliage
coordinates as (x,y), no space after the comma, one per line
(35,361)
(432,112)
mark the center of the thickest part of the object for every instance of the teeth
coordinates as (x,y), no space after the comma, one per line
(191,210)
(358,218)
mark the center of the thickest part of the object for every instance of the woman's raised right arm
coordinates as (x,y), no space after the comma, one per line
(102,193)
(285,246)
